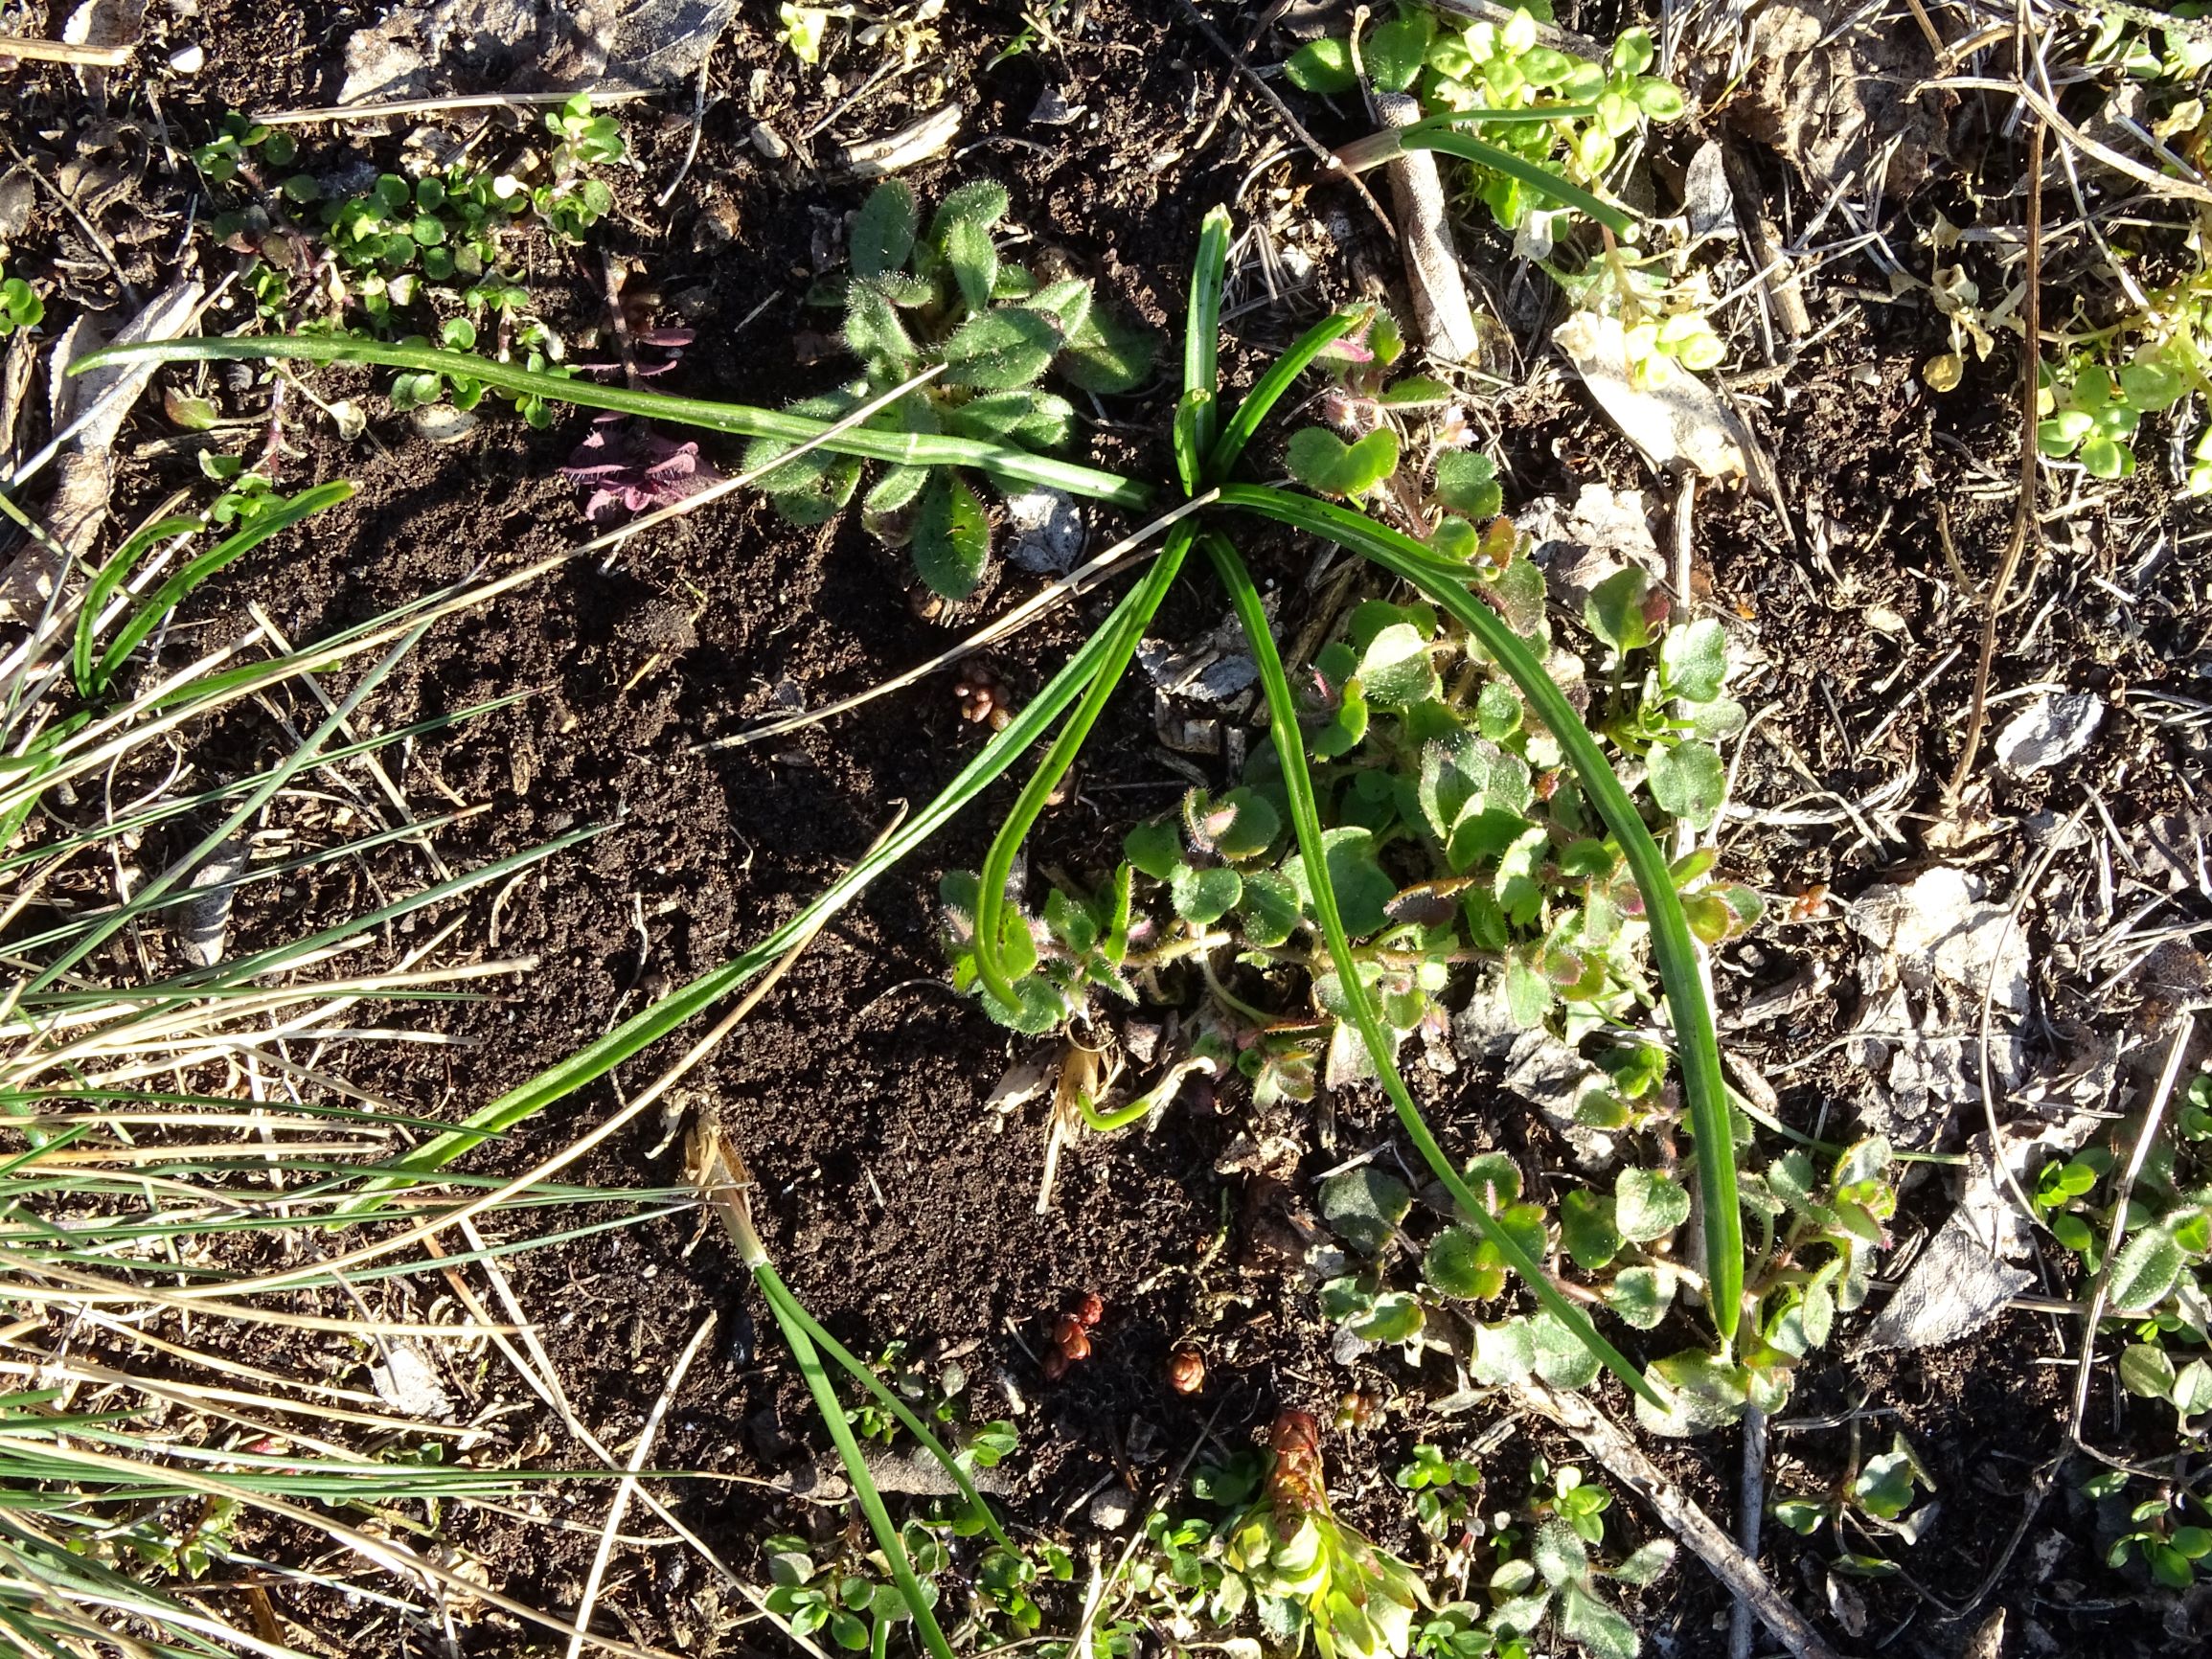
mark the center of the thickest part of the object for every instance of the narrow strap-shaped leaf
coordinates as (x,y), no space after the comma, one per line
(172,592)
(111,577)
(1537,177)
(1672,947)
(648,1026)
(1306,822)
(1202,331)
(1267,391)
(864,1373)
(904,448)
(1127,631)
(784,1304)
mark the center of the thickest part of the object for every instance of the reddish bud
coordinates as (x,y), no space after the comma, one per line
(1186,1370)
(1089,1309)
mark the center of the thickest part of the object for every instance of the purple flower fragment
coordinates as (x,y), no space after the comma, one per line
(629,467)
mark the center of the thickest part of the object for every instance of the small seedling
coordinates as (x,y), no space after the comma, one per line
(1874,1499)
(942,296)
(849,1595)
(2171,1531)
(20,306)
(2159,1281)
(1308,1571)
(1557,1578)
(801,29)
(1443,1488)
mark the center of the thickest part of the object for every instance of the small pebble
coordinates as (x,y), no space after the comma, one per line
(769,142)
(188,60)
(1112,1509)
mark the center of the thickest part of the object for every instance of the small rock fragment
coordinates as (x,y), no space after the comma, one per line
(1053,109)
(769,142)
(2055,727)
(189,60)
(1112,1509)
(442,423)
(1048,530)
(408,1382)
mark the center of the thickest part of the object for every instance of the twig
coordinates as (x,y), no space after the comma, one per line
(626,1487)
(1315,147)
(699,120)
(1075,582)
(1750,1515)
(2156,182)
(93,233)
(2024,524)
(30,47)
(1440,309)
(1626,1462)
(432,105)
(2121,1189)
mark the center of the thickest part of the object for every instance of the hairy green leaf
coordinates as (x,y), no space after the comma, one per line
(884,230)
(951,538)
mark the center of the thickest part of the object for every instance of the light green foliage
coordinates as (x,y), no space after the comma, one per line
(942,296)
(2092,398)
(802,28)
(445,240)
(20,306)
(846,1594)
(2159,1282)
(1452,65)
(1877,1501)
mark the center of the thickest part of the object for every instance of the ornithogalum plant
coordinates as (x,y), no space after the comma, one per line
(1208,447)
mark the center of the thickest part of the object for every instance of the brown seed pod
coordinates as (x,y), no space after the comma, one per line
(1186,1370)
(1069,1338)
(1056,1364)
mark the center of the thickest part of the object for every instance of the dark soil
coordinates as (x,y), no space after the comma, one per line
(897,1204)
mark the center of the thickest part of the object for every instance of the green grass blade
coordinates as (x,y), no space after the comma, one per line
(1202,331)
(649,1025)
(1521,116)
(182,805)
(1306,821)
(111,577)
(865,1374)
(784,1304)
(1537,177)
(1267,391)
(1001,461)
(1126,629)
(1675,953)
(172,592)
(303,756)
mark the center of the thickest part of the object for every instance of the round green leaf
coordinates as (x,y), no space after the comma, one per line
(1204,897)
(1459,1263)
